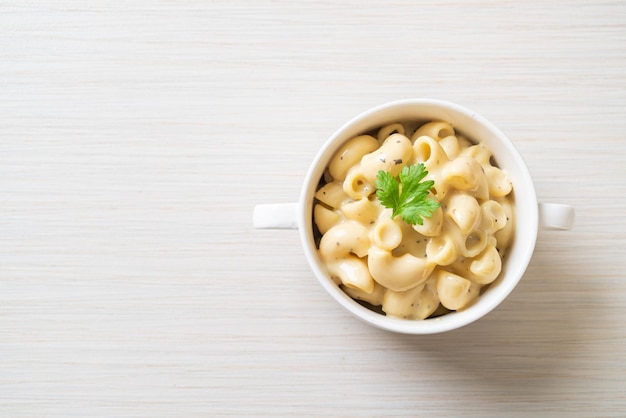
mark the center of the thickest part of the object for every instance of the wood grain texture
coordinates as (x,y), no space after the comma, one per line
(135,140)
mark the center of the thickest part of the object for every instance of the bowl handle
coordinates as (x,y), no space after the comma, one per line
(556,216)
(275,216)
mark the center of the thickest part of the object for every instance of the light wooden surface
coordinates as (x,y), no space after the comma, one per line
(136,137)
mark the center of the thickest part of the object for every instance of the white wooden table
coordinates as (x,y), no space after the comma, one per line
(136,137)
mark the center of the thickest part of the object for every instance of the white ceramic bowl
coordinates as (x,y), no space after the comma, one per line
(530,215)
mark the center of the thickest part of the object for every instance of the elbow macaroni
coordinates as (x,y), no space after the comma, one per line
(414,271)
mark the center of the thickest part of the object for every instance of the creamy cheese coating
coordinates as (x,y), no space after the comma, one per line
(415,271)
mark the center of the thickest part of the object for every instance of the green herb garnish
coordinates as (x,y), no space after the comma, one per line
(408,197)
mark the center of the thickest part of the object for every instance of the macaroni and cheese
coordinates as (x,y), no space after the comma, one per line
(414,271)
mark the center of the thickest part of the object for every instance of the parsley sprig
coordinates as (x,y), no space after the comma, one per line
(408,197)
